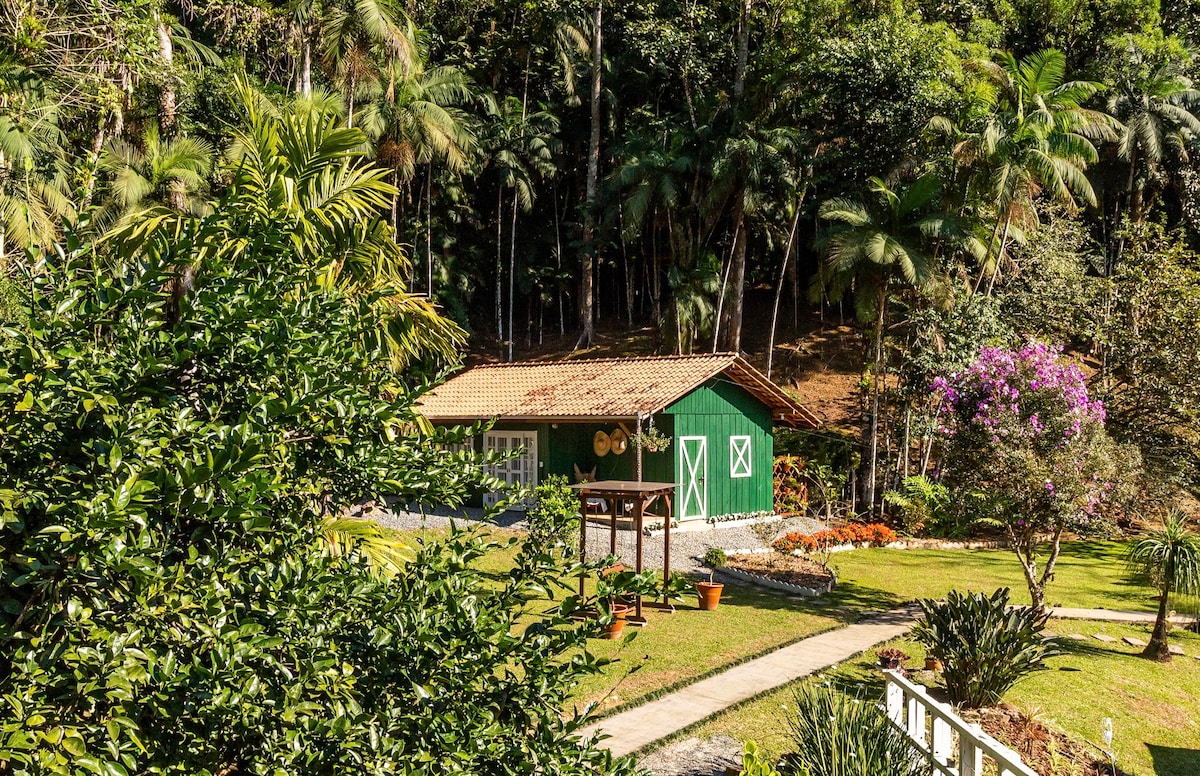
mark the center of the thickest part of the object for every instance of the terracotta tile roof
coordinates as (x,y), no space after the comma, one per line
(597,389)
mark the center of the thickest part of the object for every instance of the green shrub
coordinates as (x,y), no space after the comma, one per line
(554,518)
(835,734)
(715,558)
(985,645)
(924,507)
(755,764)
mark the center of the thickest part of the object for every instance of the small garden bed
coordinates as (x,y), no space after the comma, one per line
(1044,749)
(790,569)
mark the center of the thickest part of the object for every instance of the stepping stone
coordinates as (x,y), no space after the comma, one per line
(1104,637)
(1077,636)
(1175,649)
(1131,641)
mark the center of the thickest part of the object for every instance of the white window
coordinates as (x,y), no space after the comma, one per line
(739,456)
(519,471)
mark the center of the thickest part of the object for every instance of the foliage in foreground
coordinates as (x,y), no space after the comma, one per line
(1170,558)
(834,734)
(554,517)
(176,431)
(986,646)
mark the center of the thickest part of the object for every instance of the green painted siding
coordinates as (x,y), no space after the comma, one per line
(719,411)
(570,445)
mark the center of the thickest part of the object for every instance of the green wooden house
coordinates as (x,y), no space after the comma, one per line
(576,418)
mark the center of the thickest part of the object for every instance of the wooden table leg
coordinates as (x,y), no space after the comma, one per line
(637,527)
(582,538)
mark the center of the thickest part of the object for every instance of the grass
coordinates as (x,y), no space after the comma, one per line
(675,649)
(1155,707)
(1089,575)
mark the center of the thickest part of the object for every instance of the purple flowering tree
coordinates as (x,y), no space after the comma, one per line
(1025,447)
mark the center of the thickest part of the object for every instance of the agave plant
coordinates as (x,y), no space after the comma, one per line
(985,645)
(836,733)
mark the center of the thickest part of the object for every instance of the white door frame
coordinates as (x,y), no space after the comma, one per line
(522,470)
(689,483)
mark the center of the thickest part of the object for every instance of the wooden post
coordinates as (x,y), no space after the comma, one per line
(582,535)
(666,545)
(637,527)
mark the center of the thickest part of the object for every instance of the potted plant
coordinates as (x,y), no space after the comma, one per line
(651,440)
(933,662)
(892,658)
(615,587)
(710,592)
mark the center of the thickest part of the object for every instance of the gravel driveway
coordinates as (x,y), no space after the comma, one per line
(687,547)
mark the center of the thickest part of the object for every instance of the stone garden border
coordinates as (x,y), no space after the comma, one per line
(774,584)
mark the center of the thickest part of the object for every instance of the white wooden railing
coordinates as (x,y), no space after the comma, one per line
(953,747)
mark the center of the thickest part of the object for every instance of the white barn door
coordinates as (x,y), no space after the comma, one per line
(693,477)
(521,470)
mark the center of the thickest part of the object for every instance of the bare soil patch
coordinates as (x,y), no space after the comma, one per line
(1047,751)
(783,568)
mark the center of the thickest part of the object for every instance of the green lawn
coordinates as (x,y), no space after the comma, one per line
(677,648)
(1088,575)
(1155,707)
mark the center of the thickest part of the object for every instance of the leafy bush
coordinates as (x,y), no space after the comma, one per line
(791,485)
(169,602)
(834,734)
(851,533)
(715,558)
(554,517)
(924,508)
(985,645)
(756,764)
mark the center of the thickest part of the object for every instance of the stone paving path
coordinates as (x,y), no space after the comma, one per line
(1112,615)
(631,730)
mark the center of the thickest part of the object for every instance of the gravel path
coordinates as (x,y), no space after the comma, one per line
(687,547)
(694,757)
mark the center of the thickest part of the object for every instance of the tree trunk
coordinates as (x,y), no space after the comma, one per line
(512,272)
(743,51)
(306,64)
(787,253)
(587,335)
(166,98)
(733,331)
(500,265)
(1157,649)
(871,426)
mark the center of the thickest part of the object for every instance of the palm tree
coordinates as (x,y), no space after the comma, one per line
(165,172)
(1037,138)
(414,118)
(653,183)
(1157,111)
(1170,558)
(522,147)
(34,173)
(359,39)
(751,167)
(299,184)
(890,239)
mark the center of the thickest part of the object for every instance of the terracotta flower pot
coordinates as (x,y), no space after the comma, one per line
(613,629)
(710,594)
(933,664)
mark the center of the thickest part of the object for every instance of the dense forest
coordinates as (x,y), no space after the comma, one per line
(943,174)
